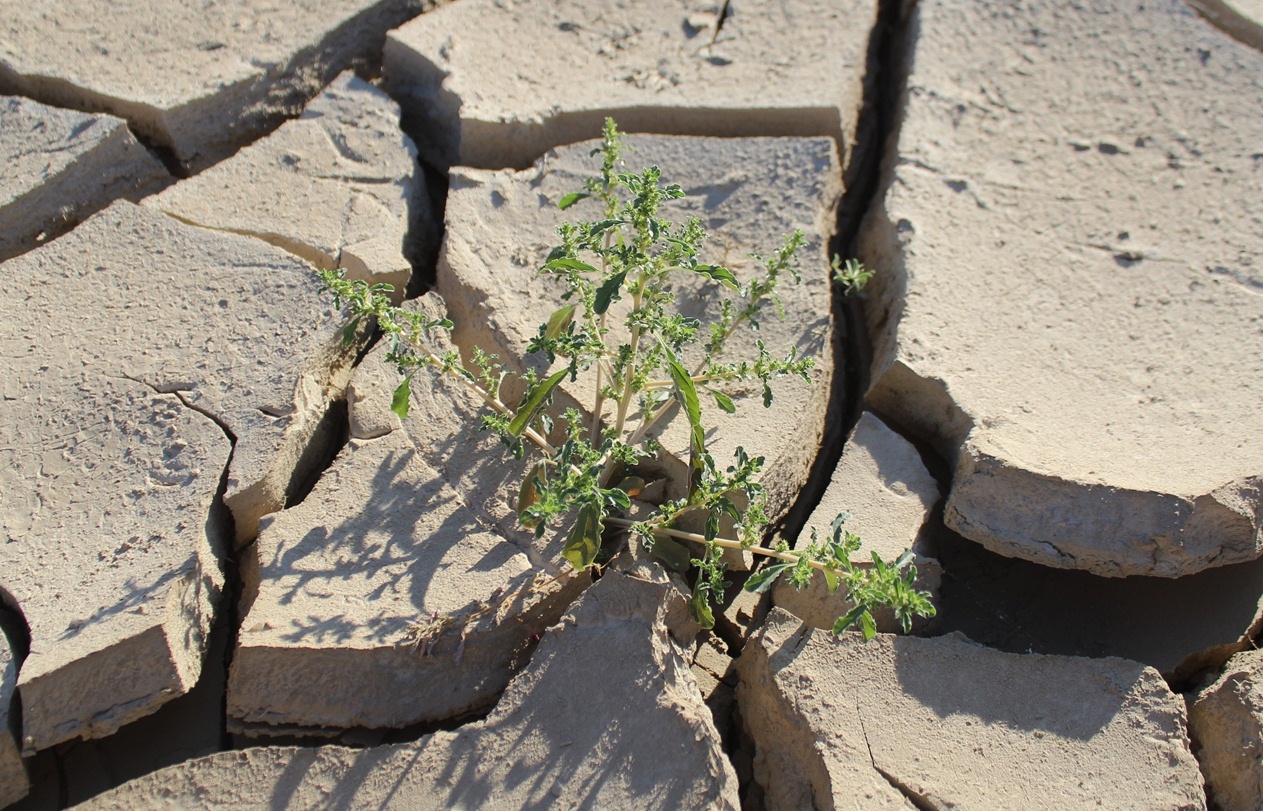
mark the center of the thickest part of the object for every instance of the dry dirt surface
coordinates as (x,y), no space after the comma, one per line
(232,576)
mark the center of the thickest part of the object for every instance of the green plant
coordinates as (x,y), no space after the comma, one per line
(618,331)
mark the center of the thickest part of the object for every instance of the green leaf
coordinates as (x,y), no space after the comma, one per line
(402,398)
(534,401)
(528,493)
(604,225)
(848,619)
(701,609)
(830,579)
(719,274)
(868,625)
(558,321)
(672,554)
(584,540)
(761,580)
(686,393)
(571,199)
(569,264)
(767,395)
(618,498)
(724,402)
(607,293)
(348,332)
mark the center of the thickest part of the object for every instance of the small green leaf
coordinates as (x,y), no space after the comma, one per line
(402,398)
(904,559)
(868,625)
(534,401)
(719,274)
(761,580)
(348,332)
(584,540)
(672,554)
(558,321)
(701,610)
(724,402)
(528,493)
(571,199)
(848,619)
(767,395)
(569,264)
(607,293)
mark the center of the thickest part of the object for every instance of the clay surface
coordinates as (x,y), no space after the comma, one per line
(749,193)
(384,601)
(1226,720)
(338,186)
(1069,305)
(905,722)
(607,716)
(129,380)
(61,166)
(793,67)
(882,484)
(199,81)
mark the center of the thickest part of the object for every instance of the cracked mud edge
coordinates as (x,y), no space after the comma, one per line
(920,801)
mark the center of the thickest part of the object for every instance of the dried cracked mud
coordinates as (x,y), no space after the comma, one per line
(231,577)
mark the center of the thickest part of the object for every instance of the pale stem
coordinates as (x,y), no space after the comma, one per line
(725,543)
(488,398)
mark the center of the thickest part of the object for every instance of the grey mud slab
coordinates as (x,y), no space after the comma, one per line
(606,716)
(142,359)
(749,193)
(14,782)
(401,590)
(498,83)
(336,186)
(908,722)
(61,166)
(1070,282)
(1226,720)
(200,80)
(882,484)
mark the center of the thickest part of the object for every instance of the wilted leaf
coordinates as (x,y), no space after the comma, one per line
(402,398)
(584,541)
(687,394)
(607,293)
(558,321)
(719,274)
(348,332)
(565,263)
(672,554)
(533,403)
(528,493)
(761,580)
(701,610)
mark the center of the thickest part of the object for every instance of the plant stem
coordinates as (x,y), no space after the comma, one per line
(725,543)
(487,397)
(630,371)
